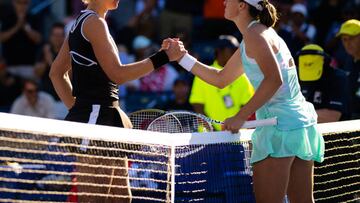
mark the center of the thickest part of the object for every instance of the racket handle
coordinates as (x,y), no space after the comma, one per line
(260,123)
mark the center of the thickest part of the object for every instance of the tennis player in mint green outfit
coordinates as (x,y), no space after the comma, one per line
(283,155)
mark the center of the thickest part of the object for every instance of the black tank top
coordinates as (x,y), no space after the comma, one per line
(90,83)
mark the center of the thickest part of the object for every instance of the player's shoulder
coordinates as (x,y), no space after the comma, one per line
(260,37)
(95,22)
(257,32)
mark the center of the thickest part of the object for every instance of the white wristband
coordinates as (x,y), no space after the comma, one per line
(187,62)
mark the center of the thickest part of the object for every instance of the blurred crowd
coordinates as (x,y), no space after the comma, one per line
(32,32)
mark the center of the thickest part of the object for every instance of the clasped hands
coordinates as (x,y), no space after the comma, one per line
(174,48)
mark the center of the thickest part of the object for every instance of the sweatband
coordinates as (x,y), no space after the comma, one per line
(188,62)
(159,59)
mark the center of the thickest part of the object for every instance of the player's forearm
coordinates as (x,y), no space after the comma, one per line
(209,75)
(63,88)
(132,71)
(264,93)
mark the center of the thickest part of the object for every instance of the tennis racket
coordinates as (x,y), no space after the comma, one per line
(142,118)
(189,122)
(166,123)
(194,122)
(183,121)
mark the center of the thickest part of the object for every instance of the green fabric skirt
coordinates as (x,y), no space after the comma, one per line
(305,143)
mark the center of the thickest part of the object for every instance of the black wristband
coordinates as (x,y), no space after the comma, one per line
(159,59)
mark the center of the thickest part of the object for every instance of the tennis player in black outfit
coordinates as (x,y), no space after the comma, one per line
(92,94)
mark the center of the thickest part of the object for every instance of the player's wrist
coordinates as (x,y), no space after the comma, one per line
(242,115)
(159,59)
(187,62)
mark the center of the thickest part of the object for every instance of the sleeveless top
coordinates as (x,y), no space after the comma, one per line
(90,83)
(287,104)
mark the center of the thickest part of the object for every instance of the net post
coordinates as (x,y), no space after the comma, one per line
(173,170)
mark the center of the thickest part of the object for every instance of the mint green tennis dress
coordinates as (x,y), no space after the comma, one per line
(296,133)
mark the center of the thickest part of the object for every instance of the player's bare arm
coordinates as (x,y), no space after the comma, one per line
(59,75)
(264,55)
(220,78)
(107,54)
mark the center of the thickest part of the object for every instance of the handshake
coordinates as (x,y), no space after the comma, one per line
(172,49)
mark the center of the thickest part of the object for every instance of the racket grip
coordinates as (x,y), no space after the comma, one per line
(260,123)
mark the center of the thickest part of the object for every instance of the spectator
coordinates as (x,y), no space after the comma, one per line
(141,19)
(350,37)
(325,15)
(301,32)
(20,37)
(216,103)
(334,45)
(34,102)
(285,10)
(145,21)
(322,85)
(42,67)
(180,101)
(47,56)
(10,88)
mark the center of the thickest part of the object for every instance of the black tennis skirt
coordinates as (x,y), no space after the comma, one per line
(108,114)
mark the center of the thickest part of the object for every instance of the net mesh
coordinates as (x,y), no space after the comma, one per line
(337,179)
(52,168)
(47,161)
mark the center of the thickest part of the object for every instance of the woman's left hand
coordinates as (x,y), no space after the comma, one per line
(233,124)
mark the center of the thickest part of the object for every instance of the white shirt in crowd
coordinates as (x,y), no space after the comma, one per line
(44,107)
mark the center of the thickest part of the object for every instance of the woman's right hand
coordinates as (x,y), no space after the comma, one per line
(174,48)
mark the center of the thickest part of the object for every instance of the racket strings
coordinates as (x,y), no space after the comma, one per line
(193,123)
(167,123)
(141,119)
(170,122)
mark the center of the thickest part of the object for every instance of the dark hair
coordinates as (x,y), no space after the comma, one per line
(31,81)
(268,16)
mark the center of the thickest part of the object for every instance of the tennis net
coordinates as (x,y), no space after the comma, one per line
(45,160)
